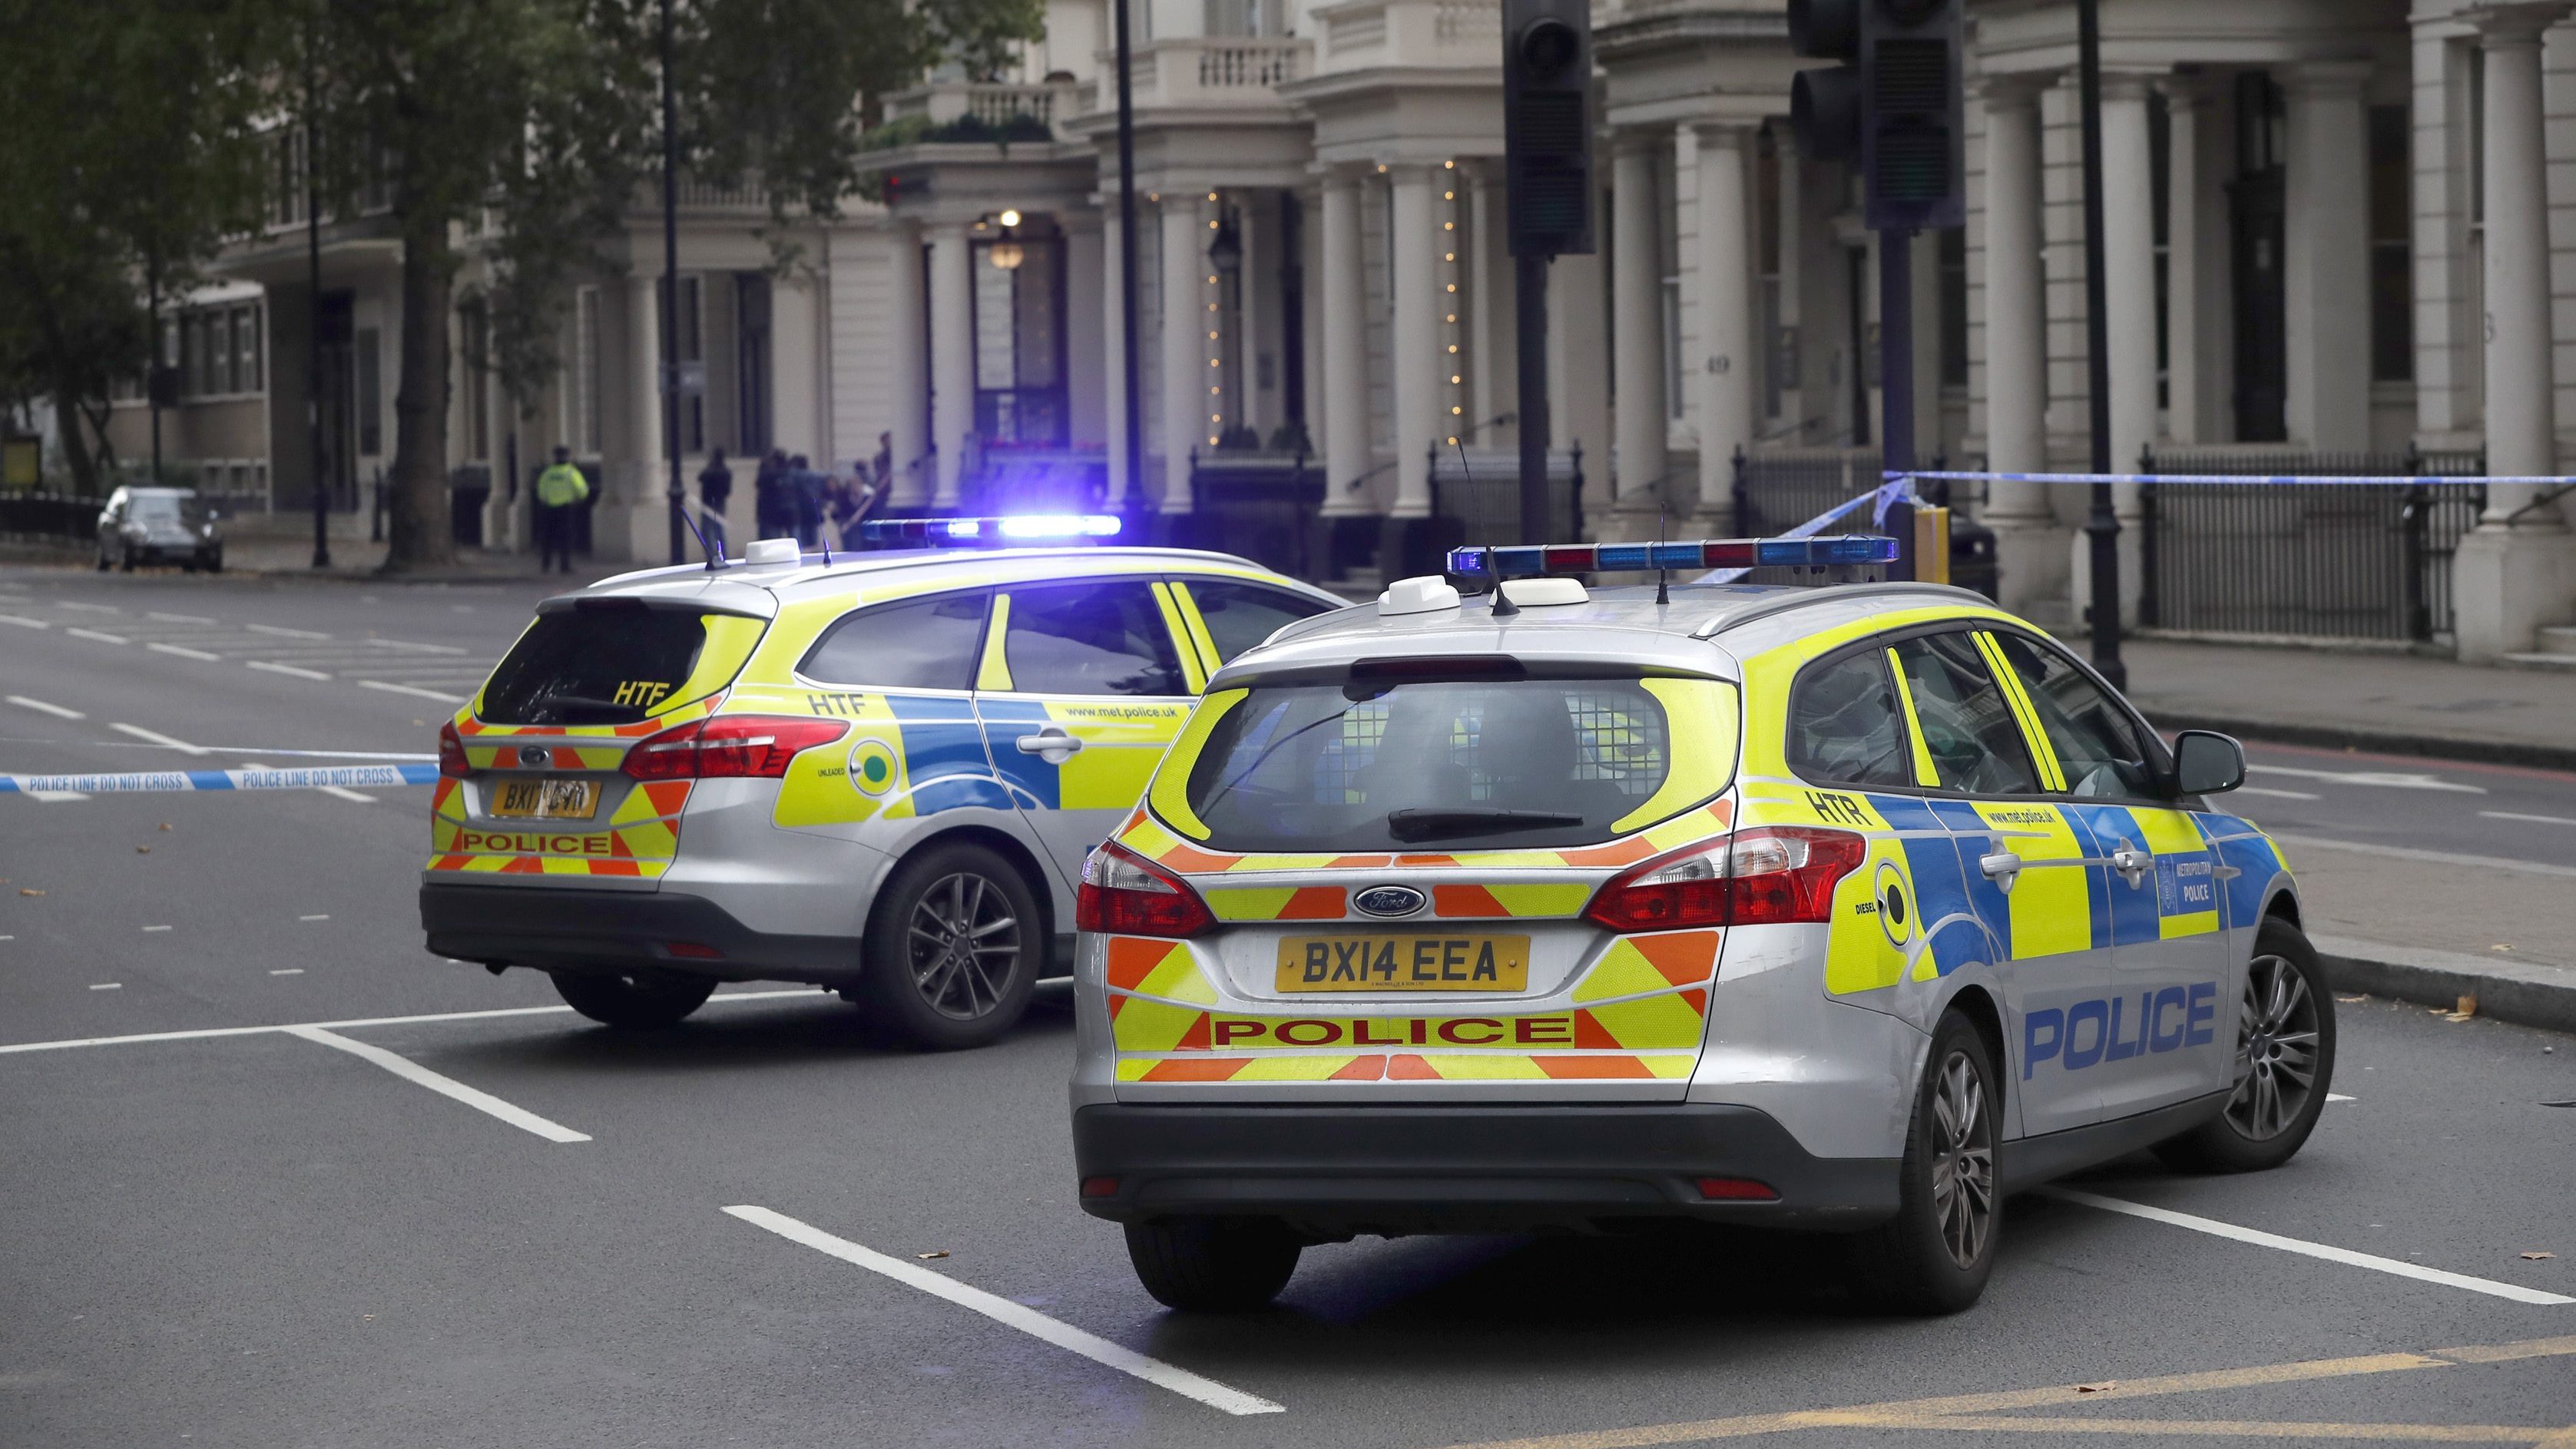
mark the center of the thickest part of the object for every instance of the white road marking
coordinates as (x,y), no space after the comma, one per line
(2340,1097)
(2534,819)
(407,689)
(180,618)
(107,986)
(149,929)
(94,634)
(55,797)
(287,669)
(1011,1315)
(184,652)
(312,918)
(2274,794)
(287,971)
(40,707)
(155,737)
(2433,857)
(2514,1291)
(2388,779)
(88,608)
(414,1072)
(343,793)
(209,1033)
(284,633)
(24,622)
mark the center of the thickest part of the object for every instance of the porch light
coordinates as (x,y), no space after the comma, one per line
(1010,217)
(1007,255)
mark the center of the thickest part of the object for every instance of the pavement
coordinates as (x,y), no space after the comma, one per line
(764,1227)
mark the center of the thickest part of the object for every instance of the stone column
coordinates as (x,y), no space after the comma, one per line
(908,335)
(1419,380)
(1086,388)
(952,358)
(1723,278)
(2326,258)
(2513,573)
(1344,304)
(644,361)
(2129,272)
(1492,324)
(2030,550)
(2188,118)
(1637,320)
(1186,374)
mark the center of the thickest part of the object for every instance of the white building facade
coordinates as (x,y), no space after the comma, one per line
(2341,238)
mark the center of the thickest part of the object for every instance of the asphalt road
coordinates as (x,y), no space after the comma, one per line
(269,1238)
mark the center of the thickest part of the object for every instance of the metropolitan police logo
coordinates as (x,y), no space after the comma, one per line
(1389,900)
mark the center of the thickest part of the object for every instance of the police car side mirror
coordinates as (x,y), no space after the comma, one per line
(2206,762)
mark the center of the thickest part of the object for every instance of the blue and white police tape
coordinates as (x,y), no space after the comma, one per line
(1899,488)
(2385,480)
(180,781)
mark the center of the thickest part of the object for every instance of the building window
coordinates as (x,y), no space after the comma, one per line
(371,392)
(2392,287)
(1766,266)
(476,325)
(585,373)
(222,363)
(689,345)
(250,367)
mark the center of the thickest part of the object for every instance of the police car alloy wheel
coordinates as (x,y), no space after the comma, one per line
(1935,1255)
(2285,1052)
(952,949)
(1212,1265)
(643,998)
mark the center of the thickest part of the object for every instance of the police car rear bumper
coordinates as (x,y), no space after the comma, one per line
(1338,1171)
(574,930)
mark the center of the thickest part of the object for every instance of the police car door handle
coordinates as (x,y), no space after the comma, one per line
(1051,742)
(2132,865)
(2003,867)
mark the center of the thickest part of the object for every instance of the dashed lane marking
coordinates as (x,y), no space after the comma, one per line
(179,618)
(2534,819)
(23,622)
(184,652)
(102,638)
(288,669)
(287,971)
(413,1072)
(312,918)
(107,986)
(2385,779)
(2514,1291)
(55,797)
(150,929)
(210,1033)
(155,737)
(1991,1412)
(1011,1315)
(40,707)
(2274,794)
(285,633)
(2430,857)
(338,792)
(407,689)
(81,608)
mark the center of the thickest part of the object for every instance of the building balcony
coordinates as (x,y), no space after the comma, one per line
(1203,71)
(997,106)
(1408,34)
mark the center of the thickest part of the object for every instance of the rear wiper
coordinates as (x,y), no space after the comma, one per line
(1436,823)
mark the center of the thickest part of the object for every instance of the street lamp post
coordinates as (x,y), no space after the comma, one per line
(313,304)
(2102,525)
(669,332)
(1132,498)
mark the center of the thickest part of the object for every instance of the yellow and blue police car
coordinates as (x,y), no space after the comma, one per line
(878,772)
(1850,907)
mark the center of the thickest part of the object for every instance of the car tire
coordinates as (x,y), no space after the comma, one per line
(1212,1265)
(1936,1254)
(2284,1066)
(104,564)
(633,1000)
(952,948)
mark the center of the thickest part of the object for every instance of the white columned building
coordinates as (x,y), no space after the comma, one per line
(1722,278)
(2030,548)
(1637,329)
(952,358)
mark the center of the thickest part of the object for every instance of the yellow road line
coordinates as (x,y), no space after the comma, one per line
(1949,1411)
(2305,1432)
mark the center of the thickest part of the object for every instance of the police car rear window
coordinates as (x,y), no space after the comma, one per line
(601,666)
(1451,764)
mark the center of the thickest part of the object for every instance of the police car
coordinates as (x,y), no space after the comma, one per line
(878,772)
(1854,907)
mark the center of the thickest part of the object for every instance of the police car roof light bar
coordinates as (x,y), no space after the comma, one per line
(994,531)
(1707,553)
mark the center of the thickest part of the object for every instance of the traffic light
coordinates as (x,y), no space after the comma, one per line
(1894,106)
(1547,125)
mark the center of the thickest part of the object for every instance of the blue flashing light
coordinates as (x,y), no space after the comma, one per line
(1707,553)
(1006,528)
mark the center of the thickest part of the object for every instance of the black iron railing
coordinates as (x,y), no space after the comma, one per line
(1778,489)
(2320,560)
(1260,505)
(47,516)
(1480,488)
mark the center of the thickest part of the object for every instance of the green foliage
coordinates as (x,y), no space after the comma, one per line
(127,146)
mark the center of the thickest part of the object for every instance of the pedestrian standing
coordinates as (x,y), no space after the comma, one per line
(715,489)
(560,489)
(884,464)
(776,514)
(805,493)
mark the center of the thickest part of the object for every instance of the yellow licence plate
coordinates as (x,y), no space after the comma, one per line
(1361,963)
(547,799)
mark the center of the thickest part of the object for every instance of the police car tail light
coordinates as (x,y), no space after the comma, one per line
(1771,875)
(1128,895)
(730,747)
(451,752)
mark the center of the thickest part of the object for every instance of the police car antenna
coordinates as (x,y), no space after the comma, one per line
(1663,577)
(1504,608)
(712,563)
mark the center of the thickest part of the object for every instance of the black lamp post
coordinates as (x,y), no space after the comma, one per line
(669,332)
(2102,525)
(1132,499)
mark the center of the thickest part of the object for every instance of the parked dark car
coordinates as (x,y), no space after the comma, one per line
(159,526)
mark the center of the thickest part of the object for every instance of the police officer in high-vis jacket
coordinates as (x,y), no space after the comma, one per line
(560,489)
